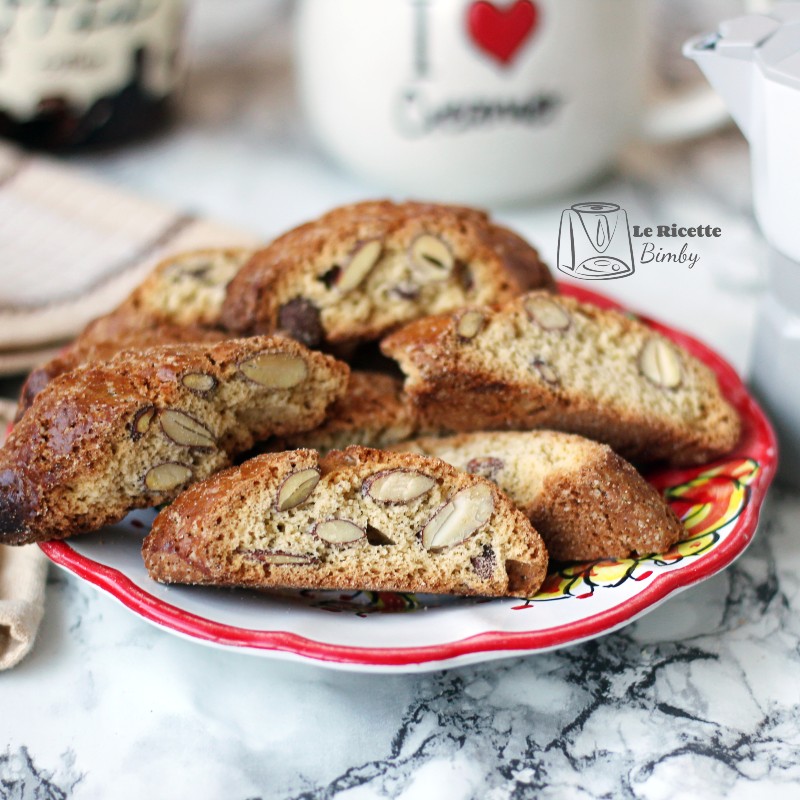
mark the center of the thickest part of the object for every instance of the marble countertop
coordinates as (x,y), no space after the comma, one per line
(698,699)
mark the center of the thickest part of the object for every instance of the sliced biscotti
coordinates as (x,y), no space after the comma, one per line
(585,500)
(180,301)
(355,519)
(374,412)
(132,432)
(87,349)
(550,361)
(362,270)
(187,289)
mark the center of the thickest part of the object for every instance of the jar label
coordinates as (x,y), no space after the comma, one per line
(79,51)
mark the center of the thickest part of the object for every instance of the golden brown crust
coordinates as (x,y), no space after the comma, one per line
(227,530)
(515,254)
(607,510)
(86,349)
(293,284)
(585,378)
(586,501)
(81,456)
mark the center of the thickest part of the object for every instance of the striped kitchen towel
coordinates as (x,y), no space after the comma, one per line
(72,247)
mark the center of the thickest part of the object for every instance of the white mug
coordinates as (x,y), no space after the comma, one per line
(474,101)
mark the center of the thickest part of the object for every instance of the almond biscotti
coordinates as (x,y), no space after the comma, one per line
(179,301)
(586,501)
(355,519)
(362,270)
(186,289)
(132,432)
(87,349)
(550,361)
(373,412)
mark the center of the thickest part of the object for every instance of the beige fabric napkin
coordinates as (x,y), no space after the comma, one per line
(72,247)
(23,571)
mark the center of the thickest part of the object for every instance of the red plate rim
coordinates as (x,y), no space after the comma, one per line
(759,442)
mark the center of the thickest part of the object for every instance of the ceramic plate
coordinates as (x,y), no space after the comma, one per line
(718,502)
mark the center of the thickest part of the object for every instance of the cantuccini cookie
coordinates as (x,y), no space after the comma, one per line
(132,432)
(87,349)
(355,519)
(362,270)
(550,361)
(179,301)
(187,289)
(374,412)
(586,501)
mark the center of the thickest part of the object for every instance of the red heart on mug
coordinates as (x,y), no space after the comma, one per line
(501,32)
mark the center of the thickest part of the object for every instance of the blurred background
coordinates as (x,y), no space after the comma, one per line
(240,105)
(249,148)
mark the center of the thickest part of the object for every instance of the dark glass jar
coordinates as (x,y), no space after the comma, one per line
(81,73)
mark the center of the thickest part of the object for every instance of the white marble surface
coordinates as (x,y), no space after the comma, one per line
(698,699)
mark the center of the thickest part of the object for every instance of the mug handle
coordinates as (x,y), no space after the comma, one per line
(697,111)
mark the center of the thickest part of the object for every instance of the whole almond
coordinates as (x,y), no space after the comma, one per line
(166,477)
(199,382)
(359,266)
(397,486)
(339,531)
(185,430)
(546,370)
(431,258)
(470,324)
(275,370)
(547,313)
(297,488)
(142,421)
(660,363)
(466,512)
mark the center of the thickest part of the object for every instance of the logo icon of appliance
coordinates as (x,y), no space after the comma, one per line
(594,242)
